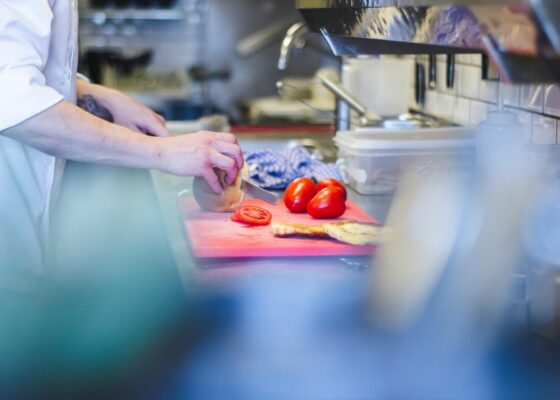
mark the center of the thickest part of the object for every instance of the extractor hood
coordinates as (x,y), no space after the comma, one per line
(521,36)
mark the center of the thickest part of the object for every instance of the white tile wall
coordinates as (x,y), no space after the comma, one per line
(537,106)
(510,94)
(532,98)
(478,111)
(461,111)
(552,100)
(544,130)
(469,81)
(469,59)
(445,106)
(526,119)
(432,98)
(488,91)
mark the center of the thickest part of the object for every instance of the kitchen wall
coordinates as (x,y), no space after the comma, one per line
(207,36)
(176,43)
(255,76)
(538,106)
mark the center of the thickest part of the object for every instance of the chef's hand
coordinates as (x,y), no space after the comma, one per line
(197,154)
(126,111)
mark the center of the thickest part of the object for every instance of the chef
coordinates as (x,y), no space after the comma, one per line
(40,126)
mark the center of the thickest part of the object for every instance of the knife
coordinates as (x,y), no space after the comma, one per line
(255,191)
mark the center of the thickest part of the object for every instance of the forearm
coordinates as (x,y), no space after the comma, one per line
(67,132)
(90,101)
(98,92)
(121,109)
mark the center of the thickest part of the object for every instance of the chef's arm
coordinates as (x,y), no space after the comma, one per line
(124,110)
(68,132)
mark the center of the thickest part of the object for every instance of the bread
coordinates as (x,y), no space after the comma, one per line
(351,232)
(230,199)
(284,229)
(356,233)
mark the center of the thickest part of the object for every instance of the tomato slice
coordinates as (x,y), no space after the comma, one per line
(252,215)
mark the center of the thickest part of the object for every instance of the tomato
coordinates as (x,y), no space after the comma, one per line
(298,194)
(325,183)
(328,203)
(252,215)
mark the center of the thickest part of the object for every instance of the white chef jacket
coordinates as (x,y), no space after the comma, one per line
(38,61)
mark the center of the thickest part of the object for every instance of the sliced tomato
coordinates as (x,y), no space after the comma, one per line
(252,215)
(325,183)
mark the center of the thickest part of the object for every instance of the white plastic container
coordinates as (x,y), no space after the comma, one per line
(384,84)
(372,159)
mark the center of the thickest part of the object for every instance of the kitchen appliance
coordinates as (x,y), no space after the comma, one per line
(214,235)
(372,158)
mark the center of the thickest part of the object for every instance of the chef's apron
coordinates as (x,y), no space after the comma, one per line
(29,179)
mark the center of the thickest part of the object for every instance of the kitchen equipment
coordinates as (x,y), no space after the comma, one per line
(214,235)
(383,84)
(255,191)
(450,71)
(432,72)
(264,37)
(295,37)
(420,84)
(372,158)
(369,119)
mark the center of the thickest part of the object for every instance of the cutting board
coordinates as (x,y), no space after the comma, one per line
(214,235)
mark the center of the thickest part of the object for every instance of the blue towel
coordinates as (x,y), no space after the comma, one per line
(276,169)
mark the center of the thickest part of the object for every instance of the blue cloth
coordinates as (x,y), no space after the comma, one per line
(276,169)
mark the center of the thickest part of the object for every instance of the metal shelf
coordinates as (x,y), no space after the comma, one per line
(396,3)
(507,30)
(100,16)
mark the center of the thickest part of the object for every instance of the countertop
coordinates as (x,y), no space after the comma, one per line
(195,270)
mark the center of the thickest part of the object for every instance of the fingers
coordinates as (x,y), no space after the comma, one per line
(227,144)
(231,150)
(225,163)
(223,137)
(212,180)
(154,126)
(160,118)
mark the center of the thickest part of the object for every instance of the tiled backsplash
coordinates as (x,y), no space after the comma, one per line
(538,106)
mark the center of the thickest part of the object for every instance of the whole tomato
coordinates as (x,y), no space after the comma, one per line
(328,203)
(298,194)
(325,183)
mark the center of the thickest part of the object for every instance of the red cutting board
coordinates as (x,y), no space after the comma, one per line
(214,235)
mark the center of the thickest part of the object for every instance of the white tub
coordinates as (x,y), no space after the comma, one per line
(372,159)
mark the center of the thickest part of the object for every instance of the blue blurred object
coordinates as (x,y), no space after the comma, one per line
(276,169)
(542,236)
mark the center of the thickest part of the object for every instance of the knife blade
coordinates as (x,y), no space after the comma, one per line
(255,191)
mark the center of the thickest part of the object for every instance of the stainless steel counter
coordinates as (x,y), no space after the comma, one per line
(195,270)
